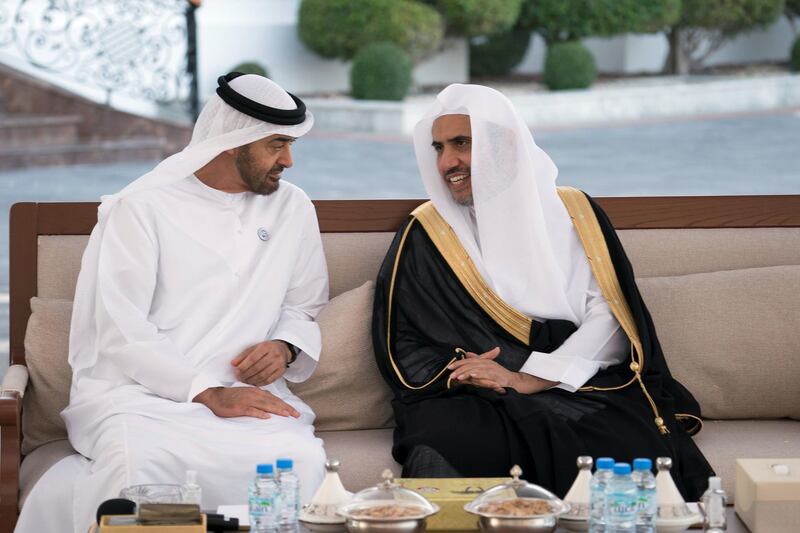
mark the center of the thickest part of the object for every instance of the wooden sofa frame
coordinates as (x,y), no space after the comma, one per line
(30,220)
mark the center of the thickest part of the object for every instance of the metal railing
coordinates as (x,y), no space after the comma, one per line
(134,47)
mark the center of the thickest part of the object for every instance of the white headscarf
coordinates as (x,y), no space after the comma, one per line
(529,252)
(219,127)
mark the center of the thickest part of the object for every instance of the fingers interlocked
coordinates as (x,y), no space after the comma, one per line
(481,371)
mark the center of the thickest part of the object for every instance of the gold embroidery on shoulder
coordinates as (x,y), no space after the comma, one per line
(446,241)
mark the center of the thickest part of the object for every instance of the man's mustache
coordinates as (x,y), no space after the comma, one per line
(456,170)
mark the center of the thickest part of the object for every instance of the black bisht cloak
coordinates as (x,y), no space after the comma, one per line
(483,433)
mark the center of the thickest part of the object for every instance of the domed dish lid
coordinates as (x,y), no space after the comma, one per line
(387,502)
(517,499)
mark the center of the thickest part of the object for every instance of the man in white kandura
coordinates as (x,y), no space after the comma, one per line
(195,303)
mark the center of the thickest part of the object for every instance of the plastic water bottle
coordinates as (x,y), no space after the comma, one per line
(646,503)
(621,500)
(290,493)
(264,501)
(714,500)
(597,494)
(190,491)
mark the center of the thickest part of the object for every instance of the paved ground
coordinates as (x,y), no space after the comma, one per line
(755,154)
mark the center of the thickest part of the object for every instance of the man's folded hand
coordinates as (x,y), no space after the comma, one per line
(263,363)
(228,402)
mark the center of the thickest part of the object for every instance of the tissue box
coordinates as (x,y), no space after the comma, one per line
(451,495)
(768,494)
(192,528)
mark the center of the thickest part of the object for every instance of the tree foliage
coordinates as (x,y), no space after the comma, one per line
(470,18)
(569,20)
(339,28)
(705,25)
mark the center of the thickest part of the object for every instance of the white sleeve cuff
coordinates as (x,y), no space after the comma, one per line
(200,383)
(572,373)
(302,334)
(301,369)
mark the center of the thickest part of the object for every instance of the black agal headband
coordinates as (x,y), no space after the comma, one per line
(282,117)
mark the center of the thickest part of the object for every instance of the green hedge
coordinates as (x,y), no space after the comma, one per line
(569,65)
(499,54)
(339,28)
(381,71)
(471,18)
(251,67)
(794,61)
(730,16)
(568,20)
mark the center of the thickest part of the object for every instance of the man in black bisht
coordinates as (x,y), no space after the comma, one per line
(507,319)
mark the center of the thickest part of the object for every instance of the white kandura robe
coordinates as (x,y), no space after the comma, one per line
(185,284)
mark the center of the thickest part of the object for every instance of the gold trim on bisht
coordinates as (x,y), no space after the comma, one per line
(698,422)
(596,248)
(513,321)
(448,244)
(459,352)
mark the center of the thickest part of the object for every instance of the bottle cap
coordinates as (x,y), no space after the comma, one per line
(714,483)
(584,462)
(642,464)
(664,463)
(264,469)
(605,463)
(191,477)
(622,469)
(284,464)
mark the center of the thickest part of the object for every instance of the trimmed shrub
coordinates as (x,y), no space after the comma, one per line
(794,61)
(381,71)
(569,65)
(471,18)
(340,28)
(497,55)
(251,67)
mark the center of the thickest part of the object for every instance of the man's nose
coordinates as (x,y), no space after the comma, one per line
(450,159)
(286,157)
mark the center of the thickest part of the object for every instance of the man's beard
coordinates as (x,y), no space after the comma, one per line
(257,180)
(466,201)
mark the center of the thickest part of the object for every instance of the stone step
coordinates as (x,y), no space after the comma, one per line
(18,131)
(135,149)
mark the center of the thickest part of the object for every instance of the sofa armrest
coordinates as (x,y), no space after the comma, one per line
(13,387)
(15,380)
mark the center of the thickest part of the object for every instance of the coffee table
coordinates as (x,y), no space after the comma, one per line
(735,525)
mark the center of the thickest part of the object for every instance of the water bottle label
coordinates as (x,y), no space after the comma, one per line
(622,507)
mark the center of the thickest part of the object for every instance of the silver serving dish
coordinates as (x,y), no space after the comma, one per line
(387,508)
(495,506)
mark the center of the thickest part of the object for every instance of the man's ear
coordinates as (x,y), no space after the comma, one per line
(233,152)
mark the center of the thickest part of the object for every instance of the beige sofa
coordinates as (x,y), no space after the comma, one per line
(721,276)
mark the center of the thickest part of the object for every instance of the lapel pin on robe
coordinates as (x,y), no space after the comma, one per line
(263,234)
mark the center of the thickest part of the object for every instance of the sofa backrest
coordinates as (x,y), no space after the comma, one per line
(720,276)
